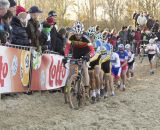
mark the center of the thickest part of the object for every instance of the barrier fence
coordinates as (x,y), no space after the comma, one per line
(22,68)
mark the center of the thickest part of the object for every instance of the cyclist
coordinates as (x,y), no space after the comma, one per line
(80,45)
(152,49)
(95,67)
(131,59)
(94,61)
(106,65)
(116,67)
(123,55)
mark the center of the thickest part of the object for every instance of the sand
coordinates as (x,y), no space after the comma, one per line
(138,108)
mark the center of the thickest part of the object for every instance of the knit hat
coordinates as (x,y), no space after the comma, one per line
(4,4)
(50,21)
(20,9)
(12,3)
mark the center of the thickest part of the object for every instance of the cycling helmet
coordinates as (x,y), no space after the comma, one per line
(78,27)
(99,36)
(91,31)
(103,50)
(120,47)
(127,46)
(152,41)
(105,34)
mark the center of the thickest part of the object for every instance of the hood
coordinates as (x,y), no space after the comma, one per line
(16,22)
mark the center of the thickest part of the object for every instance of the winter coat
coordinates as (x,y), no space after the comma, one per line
(45,43)
(54,34)
(155,27)
(59,46)
(142,20)
(33,32)
(150,23)
(158,35)
(19,34)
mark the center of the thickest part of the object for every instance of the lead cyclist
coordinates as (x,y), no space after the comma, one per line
(80,46)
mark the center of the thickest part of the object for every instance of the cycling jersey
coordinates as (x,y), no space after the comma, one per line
(152,48)
(115,60)
(79,47)
(123,55)
(116,65)
(105,58)
(131,59)
(97,45)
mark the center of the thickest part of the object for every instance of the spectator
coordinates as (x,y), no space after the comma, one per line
(19,24)
(134,14)
(123,35)
(33,28)
(7,18)
(60,43)
(158,35)
(113,38)
(146,15)
(130,35)
(4,5)
(137,40)
(52,14)
(97,28)
(142,20)
(150,23)
(136,17)
(155,26)
(45,37)
(12,7)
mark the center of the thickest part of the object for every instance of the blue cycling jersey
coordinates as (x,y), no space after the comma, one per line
(123,55)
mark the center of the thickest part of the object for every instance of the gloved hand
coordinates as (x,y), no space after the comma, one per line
(64,61)
(86,57)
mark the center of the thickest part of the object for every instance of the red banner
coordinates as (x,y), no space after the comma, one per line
(48,72)
(14,69)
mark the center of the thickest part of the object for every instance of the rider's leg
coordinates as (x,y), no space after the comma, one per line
(86,77)
(123,77)
(109,83)
(101,83)
(97,77)
(92,83)
(151,59)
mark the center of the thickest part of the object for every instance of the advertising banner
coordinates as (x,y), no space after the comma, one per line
(14,69)
(48,72)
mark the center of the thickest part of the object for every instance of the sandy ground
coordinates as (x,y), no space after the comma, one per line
(138,108)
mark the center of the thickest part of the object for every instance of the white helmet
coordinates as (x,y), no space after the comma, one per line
(121,47)
(91,31)
(99,36)
(152,41)
(127,46)
(78,27)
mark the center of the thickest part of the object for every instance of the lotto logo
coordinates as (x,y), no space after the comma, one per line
(3,71)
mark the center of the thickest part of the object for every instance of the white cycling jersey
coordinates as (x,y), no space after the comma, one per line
(131,56)
(152,49)
(115,60)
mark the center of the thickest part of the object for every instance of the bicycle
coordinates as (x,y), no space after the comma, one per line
(74,92)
